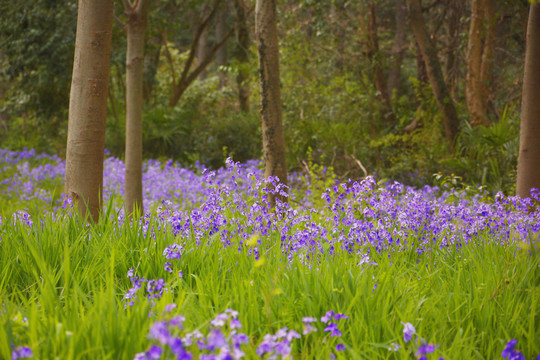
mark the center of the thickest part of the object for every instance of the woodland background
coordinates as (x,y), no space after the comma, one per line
(354,90)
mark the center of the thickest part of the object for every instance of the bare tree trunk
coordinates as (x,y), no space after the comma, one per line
(436,79)
(479,59)
(398,49)
(528,174)
(272,128)
(376,67)
(88,106)
(203,43)
(137,15)
(242,54)
(451,68)
(221,31)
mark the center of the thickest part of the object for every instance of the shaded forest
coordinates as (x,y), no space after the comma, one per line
(357,94)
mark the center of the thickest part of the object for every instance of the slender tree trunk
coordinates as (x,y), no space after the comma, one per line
(376,66)
(187,76)
(136,27)
(242,54)
(436,79)
(528,174)
(88,106)
(272,129)
(451,68)
(203,44)
(479,59)
(398,49)
(221,31)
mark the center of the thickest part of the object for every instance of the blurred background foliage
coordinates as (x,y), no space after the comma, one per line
(333,113)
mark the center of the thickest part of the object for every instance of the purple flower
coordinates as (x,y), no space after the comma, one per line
(283,348)
(308,319)
(216,340)
(239,339)
(160,332)
(178,321)
(340,347)
(425,349)
(408,331)
(235,324)
(21,352)
(168,266)
(308,328)
(510,351)
(173,251)
(333,329)
(340,316)
(328,316)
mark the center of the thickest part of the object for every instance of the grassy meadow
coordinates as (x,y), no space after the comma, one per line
(357,270)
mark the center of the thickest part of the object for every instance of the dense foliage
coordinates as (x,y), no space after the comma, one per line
(352,270)
(333,112)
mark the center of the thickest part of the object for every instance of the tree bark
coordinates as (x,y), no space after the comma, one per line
(88,106)
(137,15)
(480,59)
(451,68)
(272,128)
(376,66)
(528,174)
(221,31)
(203,44)
(398,49)
(242,54)
(435,76)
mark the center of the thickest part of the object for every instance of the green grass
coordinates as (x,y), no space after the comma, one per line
(69,279)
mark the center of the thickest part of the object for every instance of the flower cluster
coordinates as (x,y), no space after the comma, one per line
(154,288)
(223,341)
(21,352)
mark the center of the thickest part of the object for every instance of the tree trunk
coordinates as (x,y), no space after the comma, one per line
(479,59)
(451,68)
(528,174)
(221,31)
(376,66)
(88,106)
(398,49)
(203,44)
(435,76)
(272,129)
(136,28)
(242,54)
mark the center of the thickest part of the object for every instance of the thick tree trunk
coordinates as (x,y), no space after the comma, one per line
(136,28)
(436,79)
(398,49)
(88,106)
(480,59)
(221,31)
(242,54)
(272,129)
(528,174)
